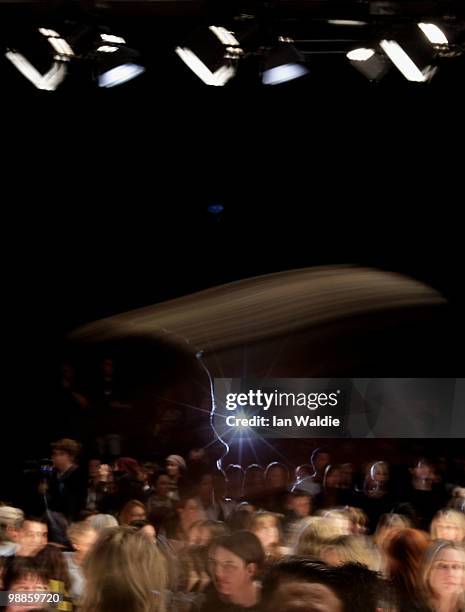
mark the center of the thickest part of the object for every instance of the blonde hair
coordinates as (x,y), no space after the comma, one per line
(451,515)
(356,549)
(427,563)
(316,532)
(124,571)
(263,518)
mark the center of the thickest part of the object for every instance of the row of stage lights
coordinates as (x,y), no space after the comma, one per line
(214,55)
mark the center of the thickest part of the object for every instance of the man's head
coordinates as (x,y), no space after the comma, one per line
(65,453)
(301,584)
(300,503)
(321,457)
(233,562)
(32,536)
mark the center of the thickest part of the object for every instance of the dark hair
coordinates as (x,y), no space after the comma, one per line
(239,520)
(35,519)
(358,588)
(243,544)
(18,567)
(53,565)
(139,524)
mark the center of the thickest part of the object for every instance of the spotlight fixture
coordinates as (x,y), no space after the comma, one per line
(212,55)
(369,62)
(411,50)
(115,63)
(56,49)
(283,63)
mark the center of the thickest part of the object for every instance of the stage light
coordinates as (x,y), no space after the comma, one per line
(212,55)
(412,52)
(57,50)
(434,34)
(369,62)
(283,63)
(115,63)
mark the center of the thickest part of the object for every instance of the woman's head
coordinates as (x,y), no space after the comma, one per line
(190,511)
(405,550)
(133,511)
(82,537)
(276,476)
(202,533)
(175,466)
(265,525)
(448,524)
(124,571)
(443,571)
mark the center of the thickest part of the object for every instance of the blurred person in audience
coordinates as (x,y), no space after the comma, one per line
(303,471)
(234,475)
(133,510)
(404,553)
(160,497)
(32,537)
(299,505)
(316,531)
(358,520)
(353,549)
(214,507)
(443,577)
(99,522)
(387,525)
(124,572)
(146,528)
(266,526)
(53,564)
(65,492)
(241,518)
(301,584)
(312,484)
(176,469)
(254,483)
(331,494)
(82,537)
(129,479)
(374,498)
(422,493)
(203,532)
(448,524)
(276,485)
(24,574)
(188,511)
(234,561)
(11,520)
